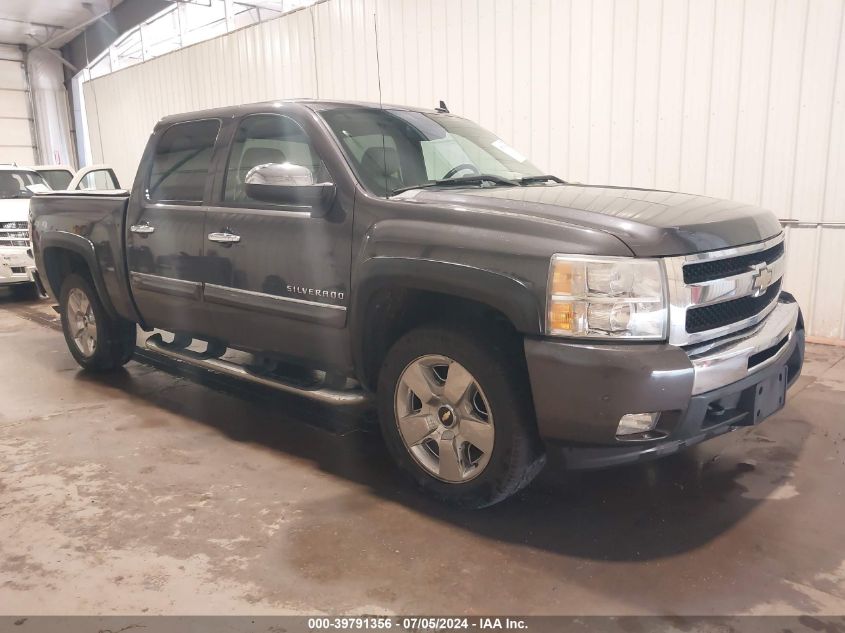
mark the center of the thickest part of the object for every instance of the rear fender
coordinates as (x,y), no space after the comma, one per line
(84,248)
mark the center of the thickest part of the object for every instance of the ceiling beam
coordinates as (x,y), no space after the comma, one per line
(71,30)
(31,23)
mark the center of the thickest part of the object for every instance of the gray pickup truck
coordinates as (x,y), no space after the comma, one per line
(411,259)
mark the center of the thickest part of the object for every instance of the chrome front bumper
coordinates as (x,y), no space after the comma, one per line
(731,359)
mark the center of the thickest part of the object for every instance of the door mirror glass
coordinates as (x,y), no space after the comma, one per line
(289,184)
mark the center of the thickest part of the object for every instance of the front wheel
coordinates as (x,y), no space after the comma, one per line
(455,411)
(96,341)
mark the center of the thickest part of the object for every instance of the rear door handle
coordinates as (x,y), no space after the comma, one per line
(143,229)
(224,238)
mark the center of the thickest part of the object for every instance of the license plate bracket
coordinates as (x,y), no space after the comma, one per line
(766,398)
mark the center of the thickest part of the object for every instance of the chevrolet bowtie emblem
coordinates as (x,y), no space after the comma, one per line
(761,279)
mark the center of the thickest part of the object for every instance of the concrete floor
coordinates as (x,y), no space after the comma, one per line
(144,492)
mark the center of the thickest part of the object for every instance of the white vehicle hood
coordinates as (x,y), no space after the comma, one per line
(14,210)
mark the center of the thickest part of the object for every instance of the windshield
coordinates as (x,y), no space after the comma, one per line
(395,149)
(57,179)
(13,184)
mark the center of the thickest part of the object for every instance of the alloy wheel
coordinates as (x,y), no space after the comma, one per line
(81,322)
(444,418)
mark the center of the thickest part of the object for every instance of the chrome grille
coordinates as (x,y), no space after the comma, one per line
(14,234)
(719,268)
(718,293)
(703,318)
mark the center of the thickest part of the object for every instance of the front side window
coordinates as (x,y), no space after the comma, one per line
(270,138)
(393,149)
(181,161)
(20,184)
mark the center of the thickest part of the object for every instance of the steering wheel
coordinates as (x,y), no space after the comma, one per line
(460,167)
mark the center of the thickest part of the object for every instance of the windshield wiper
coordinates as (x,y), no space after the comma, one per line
(545,178)
(463,180)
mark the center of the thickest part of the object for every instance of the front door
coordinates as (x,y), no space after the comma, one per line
(281,279)
(165,237)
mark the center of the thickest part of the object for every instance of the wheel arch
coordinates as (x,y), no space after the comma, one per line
(394,295)
(66,253)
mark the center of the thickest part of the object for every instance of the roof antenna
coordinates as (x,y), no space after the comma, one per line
(378,61)
(387,192)
(442,107)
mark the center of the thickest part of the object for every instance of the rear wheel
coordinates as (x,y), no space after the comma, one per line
(97,341)
(455,410)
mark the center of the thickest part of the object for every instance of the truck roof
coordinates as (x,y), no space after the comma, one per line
(262,106)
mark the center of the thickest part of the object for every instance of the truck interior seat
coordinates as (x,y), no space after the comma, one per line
(380,168)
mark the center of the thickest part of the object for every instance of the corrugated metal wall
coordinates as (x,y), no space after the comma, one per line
(732,98)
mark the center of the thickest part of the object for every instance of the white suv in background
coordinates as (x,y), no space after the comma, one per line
(17,184)
(17,268)
(91,178)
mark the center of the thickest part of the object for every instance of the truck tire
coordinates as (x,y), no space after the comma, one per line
(97,341)
(447,391)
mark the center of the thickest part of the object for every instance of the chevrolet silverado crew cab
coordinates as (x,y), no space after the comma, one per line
(17,266)
(409,258)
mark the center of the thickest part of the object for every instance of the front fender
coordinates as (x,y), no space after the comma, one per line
(510,296)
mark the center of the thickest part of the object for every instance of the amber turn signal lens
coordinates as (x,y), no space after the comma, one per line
(562,317)
(562,274)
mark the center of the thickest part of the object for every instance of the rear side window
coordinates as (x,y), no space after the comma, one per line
(181,161)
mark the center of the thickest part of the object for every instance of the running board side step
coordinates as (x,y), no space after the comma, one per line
(335,397)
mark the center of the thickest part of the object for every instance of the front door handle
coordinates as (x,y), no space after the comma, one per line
(224,238)
(143,229)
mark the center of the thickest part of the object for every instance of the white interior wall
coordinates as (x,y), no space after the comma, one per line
(16,142)
(732,98)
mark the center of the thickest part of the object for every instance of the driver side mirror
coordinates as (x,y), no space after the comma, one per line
(289,184)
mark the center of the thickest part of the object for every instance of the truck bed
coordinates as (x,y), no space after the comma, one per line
(88,224)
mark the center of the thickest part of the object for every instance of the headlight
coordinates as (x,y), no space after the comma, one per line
(611,297)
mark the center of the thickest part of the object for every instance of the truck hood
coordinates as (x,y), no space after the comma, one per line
(14,210)
(651,223)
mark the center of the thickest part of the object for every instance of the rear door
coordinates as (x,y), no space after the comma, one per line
(282,286)
(165,238)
